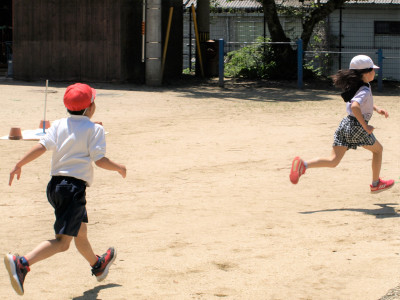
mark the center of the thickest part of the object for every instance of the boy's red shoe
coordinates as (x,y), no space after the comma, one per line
(17,272)
(297,170)
(382,185)
(106,260)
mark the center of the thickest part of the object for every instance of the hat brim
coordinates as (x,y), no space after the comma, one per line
(375,67)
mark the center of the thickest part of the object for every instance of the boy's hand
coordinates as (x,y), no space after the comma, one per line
(108,164)
(15,171)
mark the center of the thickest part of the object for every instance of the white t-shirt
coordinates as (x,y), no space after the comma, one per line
(76,142)
(366,101)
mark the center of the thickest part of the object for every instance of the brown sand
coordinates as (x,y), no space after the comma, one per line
(207,210)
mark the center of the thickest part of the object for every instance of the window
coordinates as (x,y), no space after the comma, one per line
(387,27)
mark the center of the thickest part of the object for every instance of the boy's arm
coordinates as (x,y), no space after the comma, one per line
(108,164)
(32,154)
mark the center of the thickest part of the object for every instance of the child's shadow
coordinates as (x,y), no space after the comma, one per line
(93,293)
(386,211)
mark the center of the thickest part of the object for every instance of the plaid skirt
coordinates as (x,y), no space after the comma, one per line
(351,134)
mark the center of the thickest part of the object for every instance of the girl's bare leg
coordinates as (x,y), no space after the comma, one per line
(328,162)
(376,150)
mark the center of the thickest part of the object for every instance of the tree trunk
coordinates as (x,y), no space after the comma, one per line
(317,15)
(284,54)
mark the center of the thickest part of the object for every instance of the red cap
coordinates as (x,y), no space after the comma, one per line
(79,96)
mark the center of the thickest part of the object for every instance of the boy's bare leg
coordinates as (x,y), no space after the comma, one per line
(376,150)
(49,248)
(329,162)
(83,245)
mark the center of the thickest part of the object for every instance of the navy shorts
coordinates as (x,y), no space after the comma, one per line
(351,134)
(68,197)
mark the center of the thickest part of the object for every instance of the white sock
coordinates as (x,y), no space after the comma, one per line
(375,183)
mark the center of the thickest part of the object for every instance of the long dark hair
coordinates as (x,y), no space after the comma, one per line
(349,81)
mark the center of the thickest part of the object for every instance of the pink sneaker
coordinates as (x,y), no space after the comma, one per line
(297,170)
(382,185)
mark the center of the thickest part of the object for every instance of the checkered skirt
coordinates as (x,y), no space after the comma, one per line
(351,134)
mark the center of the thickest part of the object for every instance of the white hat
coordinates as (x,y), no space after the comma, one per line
(361,62)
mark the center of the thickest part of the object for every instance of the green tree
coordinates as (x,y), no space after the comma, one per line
(317,12)
(285,55)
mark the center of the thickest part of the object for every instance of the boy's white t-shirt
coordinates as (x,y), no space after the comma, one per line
(365,99)
(76,142)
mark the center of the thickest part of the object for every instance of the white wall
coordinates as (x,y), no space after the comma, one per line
(358,36)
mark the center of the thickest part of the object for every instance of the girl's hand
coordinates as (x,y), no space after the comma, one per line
(383,112)
(369,129)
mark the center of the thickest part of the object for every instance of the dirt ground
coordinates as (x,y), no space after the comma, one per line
(207,210)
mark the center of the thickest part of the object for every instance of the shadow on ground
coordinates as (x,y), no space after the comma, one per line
(385,211)
(93,293)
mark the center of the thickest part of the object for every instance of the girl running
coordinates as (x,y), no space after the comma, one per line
(354,130)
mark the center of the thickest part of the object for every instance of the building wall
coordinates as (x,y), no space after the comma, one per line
(67,40)
(86,40)
(358,36)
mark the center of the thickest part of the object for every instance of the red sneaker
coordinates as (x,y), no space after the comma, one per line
(105,262)
(382,185)
(297,170)
(17,272)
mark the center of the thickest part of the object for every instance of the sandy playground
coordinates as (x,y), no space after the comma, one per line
(207,210)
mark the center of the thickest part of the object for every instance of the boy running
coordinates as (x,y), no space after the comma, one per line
(76,142)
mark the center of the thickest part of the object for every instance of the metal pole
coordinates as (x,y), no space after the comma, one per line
(171,10)
(144,31)
(221,62)
(299,43)
(380,70)
(190,40)
(197,41)
(340,37)
(45,106)
(153,43)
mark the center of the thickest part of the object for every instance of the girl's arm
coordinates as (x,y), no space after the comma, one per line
(108,164)
(32,154)
(380,111)
(356,109)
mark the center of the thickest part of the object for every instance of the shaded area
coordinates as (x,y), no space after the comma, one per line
(93,293)
(385,211)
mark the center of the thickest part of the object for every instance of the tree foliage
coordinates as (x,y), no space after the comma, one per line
(317,12)
(285,55)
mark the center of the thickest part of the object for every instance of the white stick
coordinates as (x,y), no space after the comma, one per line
(144,31)
(45,104)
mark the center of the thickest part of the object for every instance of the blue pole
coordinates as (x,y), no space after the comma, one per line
(299,43)
(221,62)
(380,71)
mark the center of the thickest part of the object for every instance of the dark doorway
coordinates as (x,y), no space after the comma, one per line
(5,35)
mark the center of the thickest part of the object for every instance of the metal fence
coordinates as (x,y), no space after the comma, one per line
(344,34)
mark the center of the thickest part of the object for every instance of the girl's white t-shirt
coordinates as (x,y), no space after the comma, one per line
(76,142)
(366,101)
